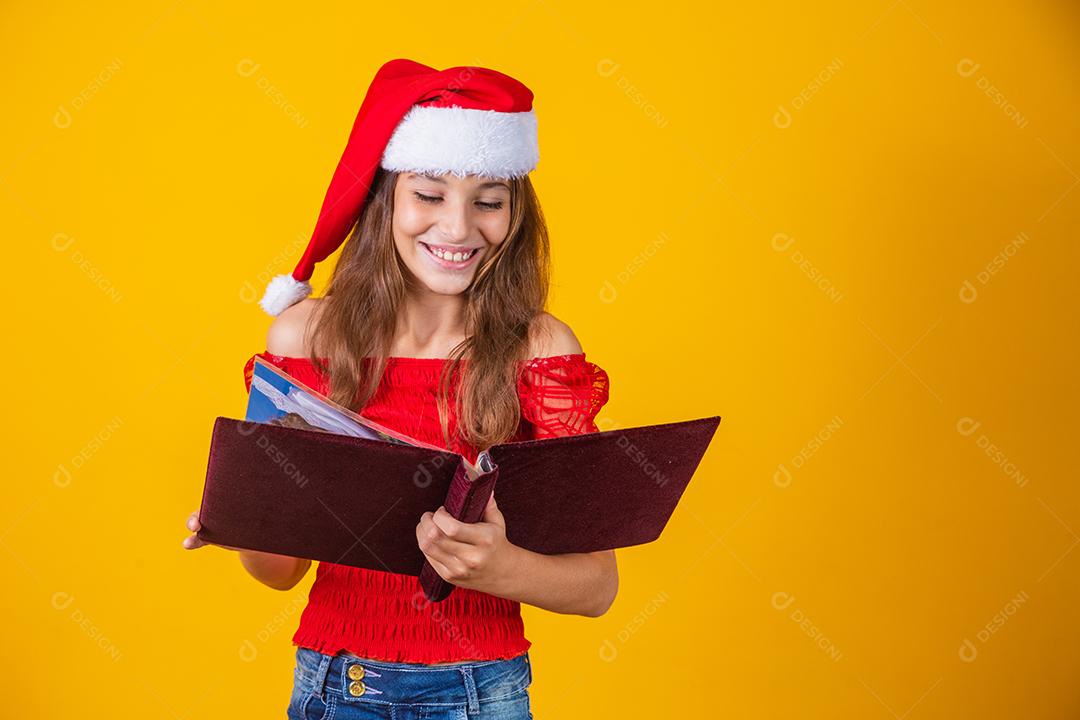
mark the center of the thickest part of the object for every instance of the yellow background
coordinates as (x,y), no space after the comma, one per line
(774,212)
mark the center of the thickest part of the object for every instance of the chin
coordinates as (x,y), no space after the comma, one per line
(442,286)
(447,289)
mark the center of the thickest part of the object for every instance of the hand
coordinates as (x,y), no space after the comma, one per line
(192,542)
(470,555)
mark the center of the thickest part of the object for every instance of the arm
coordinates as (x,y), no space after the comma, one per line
(280,572)
(479,555)
(575,583)
(287,337)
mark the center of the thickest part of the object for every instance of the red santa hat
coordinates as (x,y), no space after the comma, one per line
(462,120)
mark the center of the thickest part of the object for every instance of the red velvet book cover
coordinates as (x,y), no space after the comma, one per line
(301,476)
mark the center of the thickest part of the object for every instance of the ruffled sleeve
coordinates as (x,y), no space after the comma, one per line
(561,395)
(299,368)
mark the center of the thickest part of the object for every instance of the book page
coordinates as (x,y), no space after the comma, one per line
(278,398)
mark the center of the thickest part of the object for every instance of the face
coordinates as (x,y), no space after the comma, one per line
(445,226)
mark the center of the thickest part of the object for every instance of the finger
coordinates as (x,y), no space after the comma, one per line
(454,529)
(453,548)
(193,522)
(492,513)
(424,527)
(193,542)
(424,532)
(444,572)
(438,539)
(434,544)
(435,553)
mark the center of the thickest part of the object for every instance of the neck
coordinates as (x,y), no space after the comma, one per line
(429,324)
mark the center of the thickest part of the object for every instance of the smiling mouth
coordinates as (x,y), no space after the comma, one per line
(450,257)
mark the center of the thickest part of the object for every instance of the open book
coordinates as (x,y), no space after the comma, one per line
(305,477)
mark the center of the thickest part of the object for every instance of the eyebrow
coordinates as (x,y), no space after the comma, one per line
(482,186)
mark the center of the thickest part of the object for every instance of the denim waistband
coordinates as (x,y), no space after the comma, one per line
(358,680)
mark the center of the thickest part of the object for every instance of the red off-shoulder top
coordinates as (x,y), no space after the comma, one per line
(377,615)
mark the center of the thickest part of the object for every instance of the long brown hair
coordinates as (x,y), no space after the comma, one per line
(358,316)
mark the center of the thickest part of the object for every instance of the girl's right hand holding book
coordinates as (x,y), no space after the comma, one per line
(280,572)
(191,542)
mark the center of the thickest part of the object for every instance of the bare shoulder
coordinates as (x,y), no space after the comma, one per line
(551,336)
(289,333)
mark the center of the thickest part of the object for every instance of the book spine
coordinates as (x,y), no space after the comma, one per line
(465,501)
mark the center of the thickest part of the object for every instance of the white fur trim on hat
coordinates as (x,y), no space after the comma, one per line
(463,141)
(282,292)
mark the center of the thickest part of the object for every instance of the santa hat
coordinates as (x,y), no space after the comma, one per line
(462,120)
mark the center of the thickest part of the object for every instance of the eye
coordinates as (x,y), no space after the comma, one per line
(486,206)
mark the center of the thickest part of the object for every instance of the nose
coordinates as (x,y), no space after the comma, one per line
(454,221)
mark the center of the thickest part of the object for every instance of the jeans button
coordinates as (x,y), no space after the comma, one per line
(356,688)
(356,672)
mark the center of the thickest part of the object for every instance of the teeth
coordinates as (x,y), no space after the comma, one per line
(452,257)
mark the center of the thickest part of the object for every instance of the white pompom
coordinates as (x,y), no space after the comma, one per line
(282,292)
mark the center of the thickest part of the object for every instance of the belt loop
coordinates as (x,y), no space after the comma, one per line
(470,691)
(320,676)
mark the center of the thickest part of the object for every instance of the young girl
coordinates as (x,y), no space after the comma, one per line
(433,324)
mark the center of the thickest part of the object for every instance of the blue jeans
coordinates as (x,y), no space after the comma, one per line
(346,687)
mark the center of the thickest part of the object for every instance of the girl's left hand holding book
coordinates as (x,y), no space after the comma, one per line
(479,556)
(469,555)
